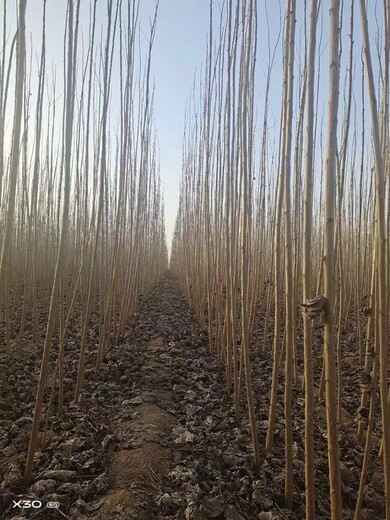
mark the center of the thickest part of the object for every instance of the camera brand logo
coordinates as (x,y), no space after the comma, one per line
(34,504)
(26,504)
(53,505)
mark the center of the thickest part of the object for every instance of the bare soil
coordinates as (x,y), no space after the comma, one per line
(154,436)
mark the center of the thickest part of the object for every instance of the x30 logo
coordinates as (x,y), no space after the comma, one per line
(26,504)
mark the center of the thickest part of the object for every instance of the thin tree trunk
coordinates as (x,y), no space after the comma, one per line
(329,271)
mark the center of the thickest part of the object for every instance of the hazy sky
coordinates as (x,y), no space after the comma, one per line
(179,49)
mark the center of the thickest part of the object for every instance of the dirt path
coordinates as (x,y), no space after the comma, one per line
(174,446)
(154,437)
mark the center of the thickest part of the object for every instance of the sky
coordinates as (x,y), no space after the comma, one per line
(180,47)
(179,50)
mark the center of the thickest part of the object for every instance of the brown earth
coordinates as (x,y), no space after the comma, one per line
(154,437)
